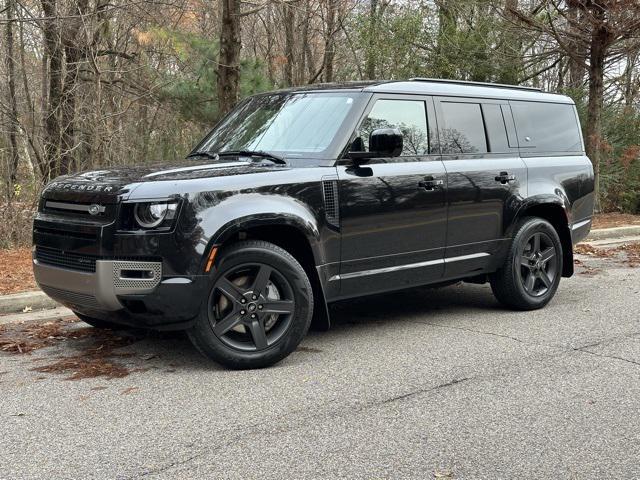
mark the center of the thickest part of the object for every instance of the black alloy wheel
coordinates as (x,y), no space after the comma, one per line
(532,269)
(258,307)
(538,271)
(251,306)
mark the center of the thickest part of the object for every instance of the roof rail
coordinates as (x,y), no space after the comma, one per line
(481,84)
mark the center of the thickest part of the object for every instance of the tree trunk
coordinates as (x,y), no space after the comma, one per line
(447,27)
(229,61)
(599,45)
(576,67)
(289,42)
(14,155)
(370,63)
(329,43)
(53,48)
(73,56)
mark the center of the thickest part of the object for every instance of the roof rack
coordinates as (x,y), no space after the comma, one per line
(481,84)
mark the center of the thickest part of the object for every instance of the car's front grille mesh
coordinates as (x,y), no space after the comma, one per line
(71,298)
(62,259)
(331,204)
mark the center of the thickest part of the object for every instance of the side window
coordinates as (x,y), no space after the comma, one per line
(407,115)
(463,128)
(547,127)
(496,128)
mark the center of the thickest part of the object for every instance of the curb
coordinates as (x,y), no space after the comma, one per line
(615,232)
(50,314)
(17,302)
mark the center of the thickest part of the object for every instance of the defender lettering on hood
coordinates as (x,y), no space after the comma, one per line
(59,186)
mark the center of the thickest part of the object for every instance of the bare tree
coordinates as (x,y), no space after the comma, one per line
(229,61)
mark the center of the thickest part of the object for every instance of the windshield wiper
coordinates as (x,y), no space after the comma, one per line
(255,153)
(203,153)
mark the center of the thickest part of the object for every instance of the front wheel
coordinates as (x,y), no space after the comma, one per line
(530,276)
(258,309)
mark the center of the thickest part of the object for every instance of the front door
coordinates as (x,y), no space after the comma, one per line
(393,213)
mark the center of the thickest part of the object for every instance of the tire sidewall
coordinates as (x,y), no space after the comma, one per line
(531,226)
(210,345)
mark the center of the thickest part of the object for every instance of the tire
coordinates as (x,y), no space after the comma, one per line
(531,273)
(258,308)
(101,324)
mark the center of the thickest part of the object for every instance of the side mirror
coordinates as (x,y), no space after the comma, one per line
(383,142)
(386,142)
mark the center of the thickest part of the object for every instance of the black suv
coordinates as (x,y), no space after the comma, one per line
(303,197)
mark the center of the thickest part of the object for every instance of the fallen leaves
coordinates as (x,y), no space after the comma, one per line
(16,271)
(97,356)
(609,220)
(27,337)
(627,254)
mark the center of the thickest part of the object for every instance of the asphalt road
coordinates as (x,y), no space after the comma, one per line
(423,384)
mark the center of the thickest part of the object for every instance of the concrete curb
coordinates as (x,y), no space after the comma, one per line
(50,314)
(615,232)
(18,301)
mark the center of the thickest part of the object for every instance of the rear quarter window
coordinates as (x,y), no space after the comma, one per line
(546,127)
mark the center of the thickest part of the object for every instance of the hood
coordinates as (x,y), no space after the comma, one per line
(108,186)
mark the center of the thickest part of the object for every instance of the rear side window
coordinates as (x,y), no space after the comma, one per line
(407,115)
(463,129)
(547,127)
(496,128)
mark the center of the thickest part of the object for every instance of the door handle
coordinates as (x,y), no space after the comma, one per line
(431,183)
(505,178)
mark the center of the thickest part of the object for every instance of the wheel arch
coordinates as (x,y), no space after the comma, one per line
(295,230)
(553,209)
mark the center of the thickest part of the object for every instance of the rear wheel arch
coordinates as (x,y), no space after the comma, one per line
(556,215)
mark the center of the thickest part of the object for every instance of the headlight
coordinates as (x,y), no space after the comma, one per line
(152,215)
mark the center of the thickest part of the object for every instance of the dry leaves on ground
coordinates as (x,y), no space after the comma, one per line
(16,272)
(628,253)
(610,220)
(98,358)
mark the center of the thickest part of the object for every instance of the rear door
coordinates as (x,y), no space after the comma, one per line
(392,210)
(486,180)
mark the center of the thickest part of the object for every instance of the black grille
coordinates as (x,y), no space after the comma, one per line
(62,259)
(71,298)
(103,212)
(331,205)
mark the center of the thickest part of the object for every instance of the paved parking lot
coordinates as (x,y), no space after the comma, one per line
(429,383)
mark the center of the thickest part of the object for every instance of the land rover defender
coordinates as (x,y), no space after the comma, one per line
(303,197)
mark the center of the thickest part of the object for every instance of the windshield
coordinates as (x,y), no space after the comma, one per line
(291,124)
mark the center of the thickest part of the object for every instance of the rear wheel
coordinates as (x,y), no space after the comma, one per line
(531,273)
(258,309)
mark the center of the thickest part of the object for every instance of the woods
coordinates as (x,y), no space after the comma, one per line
(91,83)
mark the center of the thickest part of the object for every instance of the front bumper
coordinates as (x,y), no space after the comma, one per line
(99,290)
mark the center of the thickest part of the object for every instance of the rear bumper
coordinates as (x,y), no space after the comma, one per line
(118,293)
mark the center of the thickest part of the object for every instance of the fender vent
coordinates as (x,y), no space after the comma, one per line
(331,204)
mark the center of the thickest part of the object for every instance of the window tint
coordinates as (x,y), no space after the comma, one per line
(496,128)
(407,115)
(547,127)
(287,123)
(463,129)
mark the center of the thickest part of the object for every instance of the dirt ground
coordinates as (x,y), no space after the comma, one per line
(609,220)
(16,274)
